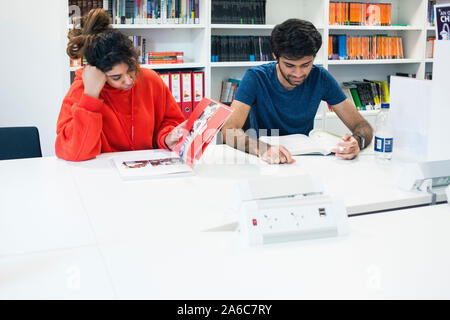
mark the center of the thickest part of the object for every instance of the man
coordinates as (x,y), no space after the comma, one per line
(285,96)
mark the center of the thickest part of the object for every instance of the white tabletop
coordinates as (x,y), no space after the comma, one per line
(40,207)
(393,255)
(144,239)
(77,273)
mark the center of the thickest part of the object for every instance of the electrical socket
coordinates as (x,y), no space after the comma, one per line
(271,220)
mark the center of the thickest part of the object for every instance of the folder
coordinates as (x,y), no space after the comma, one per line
(166,79)
(175,85)
(186,97)
(198,87)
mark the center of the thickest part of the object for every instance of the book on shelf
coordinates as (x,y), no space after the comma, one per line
(228,90)
(360,14)
(317,142)
(201,127)
(365,47)
(431,17)
(143,11)
(240,48)
(238,11)
(430,47)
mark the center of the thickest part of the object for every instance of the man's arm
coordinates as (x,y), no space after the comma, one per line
(347,112)
(234,136)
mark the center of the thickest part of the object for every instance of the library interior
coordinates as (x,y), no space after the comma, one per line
(225,150)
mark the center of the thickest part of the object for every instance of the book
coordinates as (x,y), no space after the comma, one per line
(317,142)
(201,127)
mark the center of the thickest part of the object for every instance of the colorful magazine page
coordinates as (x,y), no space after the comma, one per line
(202,126)
(150,163)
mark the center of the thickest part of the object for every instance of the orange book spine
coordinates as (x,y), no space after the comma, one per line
(355,47)
(330,47)
(400,48)
(339,13)
(346,13)
(332,12)
(395,51)
(388,14)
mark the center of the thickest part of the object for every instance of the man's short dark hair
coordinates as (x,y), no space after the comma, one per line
(295,39)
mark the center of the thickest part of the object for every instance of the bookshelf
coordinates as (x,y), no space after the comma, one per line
(409,21)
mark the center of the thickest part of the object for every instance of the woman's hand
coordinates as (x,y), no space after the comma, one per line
(175,135)
(94,80)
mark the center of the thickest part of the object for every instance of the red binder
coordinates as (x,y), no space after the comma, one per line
(175,87)
(198,87)
(166,78)
(186,96)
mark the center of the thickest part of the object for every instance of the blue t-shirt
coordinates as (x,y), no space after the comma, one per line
(289,111)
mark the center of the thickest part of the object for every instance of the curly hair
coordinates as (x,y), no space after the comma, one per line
(101,45)
(295,39)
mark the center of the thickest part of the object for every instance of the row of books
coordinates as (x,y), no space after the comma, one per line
(240,48)
(360,14)
(238,11)
(142,11)
(431,18)
(430,47)
(228,90)
(187,87)
(367,94)
(342,47)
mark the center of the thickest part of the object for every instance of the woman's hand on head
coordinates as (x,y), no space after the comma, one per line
(94,80)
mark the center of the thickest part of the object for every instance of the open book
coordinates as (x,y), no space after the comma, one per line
(318,142)
(202,126)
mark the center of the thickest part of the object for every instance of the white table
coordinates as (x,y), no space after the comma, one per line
(40,207)
(143,239)
(393,255)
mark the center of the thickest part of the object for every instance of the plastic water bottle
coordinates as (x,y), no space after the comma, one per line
(383,134)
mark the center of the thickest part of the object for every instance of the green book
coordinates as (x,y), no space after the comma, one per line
(355,96)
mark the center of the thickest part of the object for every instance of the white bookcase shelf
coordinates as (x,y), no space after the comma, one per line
(243,26)
(373,61)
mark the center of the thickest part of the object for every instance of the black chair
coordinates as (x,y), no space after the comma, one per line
(19,143)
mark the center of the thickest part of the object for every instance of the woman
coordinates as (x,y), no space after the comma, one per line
(113,105)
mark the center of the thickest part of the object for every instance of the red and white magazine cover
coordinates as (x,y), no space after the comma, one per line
(202,126)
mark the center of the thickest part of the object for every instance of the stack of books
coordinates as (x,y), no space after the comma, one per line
(165,57)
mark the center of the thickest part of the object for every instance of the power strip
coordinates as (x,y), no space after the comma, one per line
(292,219)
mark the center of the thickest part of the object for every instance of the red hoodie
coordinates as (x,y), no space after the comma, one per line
(88,126)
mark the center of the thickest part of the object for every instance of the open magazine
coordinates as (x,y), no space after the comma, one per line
(317,142)
(202,126)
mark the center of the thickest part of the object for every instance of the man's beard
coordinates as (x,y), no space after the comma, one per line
(289,81)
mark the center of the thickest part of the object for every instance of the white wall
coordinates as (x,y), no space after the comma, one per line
(34,67)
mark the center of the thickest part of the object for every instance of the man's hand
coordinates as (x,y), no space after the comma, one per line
(175,135)
(348,149)
(276,154)
(94,80)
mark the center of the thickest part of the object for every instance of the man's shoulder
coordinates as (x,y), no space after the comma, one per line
(263,69)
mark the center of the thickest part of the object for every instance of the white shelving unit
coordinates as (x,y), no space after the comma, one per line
(409,20)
